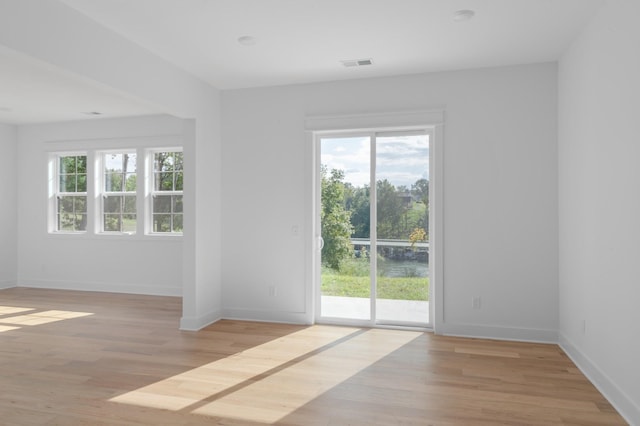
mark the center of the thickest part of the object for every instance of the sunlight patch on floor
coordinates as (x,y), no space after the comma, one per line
(192,387)
(278,395)
(270,381)
(33,318)
(7,310)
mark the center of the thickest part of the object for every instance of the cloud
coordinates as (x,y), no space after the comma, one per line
(401,160)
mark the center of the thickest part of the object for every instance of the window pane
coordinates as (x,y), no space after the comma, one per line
(72,174)
(113,182)
(178,177)
(67,165)
(129,223)
(179,160)
(72,213)
(113,162)
(112,204)
(81,222)
(130,163)
(162,204)
(177,203)
(80,204)
(81,164)
(168,176)
(161,223)
(130,182)
(164,181)
(65,205)
(112,223)
(163,161)
(66,222)
(82,183)
(129,204)
(67,183)
(177,223)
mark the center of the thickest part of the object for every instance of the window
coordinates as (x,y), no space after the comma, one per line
(116,192)
(166,193)
(71,194)
(119,192)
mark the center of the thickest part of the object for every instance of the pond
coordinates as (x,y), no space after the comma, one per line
(403,268)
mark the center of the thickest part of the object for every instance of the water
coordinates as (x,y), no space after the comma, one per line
(403,268)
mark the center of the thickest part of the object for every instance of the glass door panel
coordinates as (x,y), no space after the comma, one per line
(345,227)
(402,224)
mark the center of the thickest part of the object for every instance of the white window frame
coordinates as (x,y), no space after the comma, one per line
(55,193)
(103,193)
(152,193)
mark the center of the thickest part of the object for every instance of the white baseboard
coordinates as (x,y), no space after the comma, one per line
(198,323)
(266,316)
(104,287)
(533,335)
(607,387)
(7,284)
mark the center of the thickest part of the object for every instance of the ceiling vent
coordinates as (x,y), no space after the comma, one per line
(357,62)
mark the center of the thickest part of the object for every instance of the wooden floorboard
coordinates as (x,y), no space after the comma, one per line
(81,358)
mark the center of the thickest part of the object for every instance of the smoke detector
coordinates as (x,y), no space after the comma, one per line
(357,62)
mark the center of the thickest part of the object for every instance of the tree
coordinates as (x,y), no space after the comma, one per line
(335,219)
(420,190)
(358,203)
(390,211)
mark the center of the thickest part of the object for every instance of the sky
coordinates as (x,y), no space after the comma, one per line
(400,159)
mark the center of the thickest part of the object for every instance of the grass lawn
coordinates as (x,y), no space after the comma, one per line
(398,288)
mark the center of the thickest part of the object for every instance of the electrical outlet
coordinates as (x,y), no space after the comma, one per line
(272,291)
(584,326)
(475,302)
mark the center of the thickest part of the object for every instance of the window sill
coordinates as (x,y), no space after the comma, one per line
(113,236)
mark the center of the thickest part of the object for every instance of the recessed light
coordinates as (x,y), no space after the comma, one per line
(247,40)
(463,15)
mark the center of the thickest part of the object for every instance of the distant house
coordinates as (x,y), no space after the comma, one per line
(406,198)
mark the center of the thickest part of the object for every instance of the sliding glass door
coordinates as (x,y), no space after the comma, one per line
(373,213)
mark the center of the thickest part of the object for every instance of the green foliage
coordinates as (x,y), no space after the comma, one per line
(168,168)
(73,173)
(420,191)
(358,267)
(335,219)
(345,213)
(417,235)
(120,172)
(390,211)
(120,213)
(72,213)
(397,288)
(167,213)
(358,203)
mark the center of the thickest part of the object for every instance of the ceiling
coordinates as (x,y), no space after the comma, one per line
(302,41)
(34,92)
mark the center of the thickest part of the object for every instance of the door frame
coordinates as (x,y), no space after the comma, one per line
(431,122)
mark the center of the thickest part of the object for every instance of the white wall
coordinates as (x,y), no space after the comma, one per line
(500,192)
(9,211)
(128,264)
(65,38)
(599,187)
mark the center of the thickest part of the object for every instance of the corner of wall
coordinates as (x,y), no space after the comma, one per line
(616,396)
(198,323)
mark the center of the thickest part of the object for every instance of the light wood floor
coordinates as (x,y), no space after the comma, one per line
(76,358)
